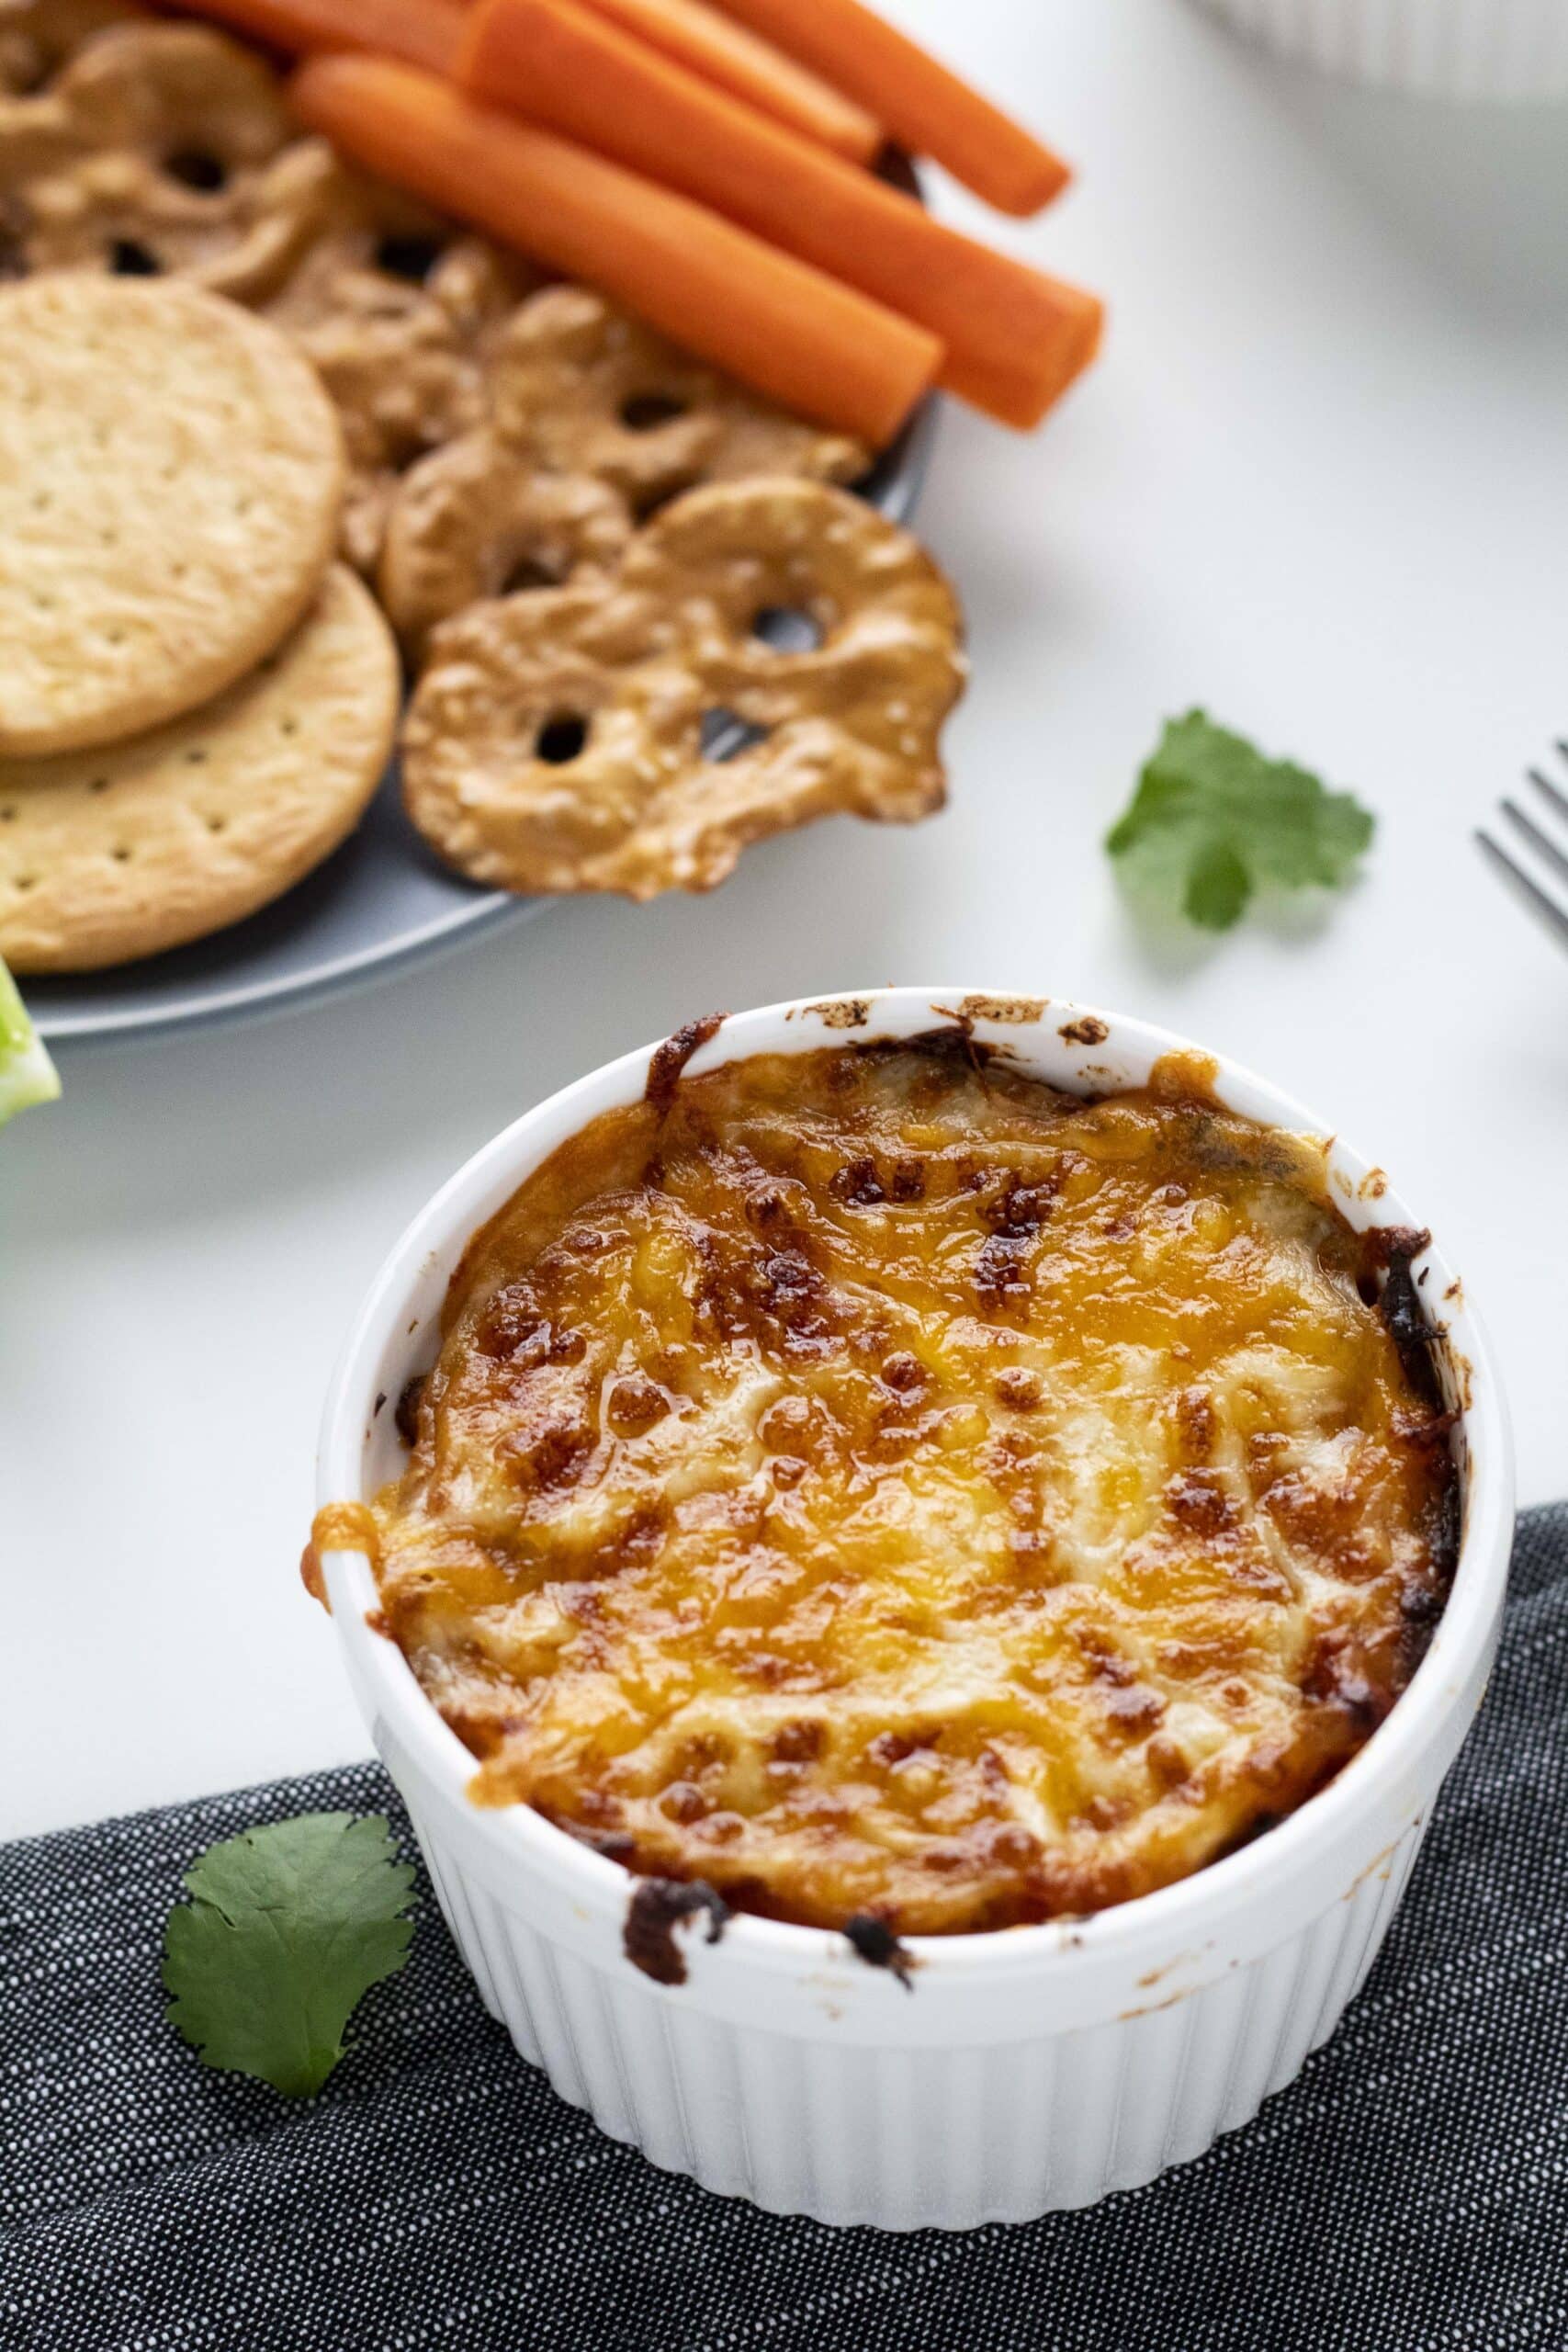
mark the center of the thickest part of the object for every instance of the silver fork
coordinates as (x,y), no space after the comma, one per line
(1549,907)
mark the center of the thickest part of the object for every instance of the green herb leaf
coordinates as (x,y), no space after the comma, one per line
(1212,820)
(287,1928)
(26,1074)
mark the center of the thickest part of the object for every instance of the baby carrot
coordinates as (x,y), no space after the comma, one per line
(422,32)
(735,60)
(794,334)
(927,109)
(1014,337)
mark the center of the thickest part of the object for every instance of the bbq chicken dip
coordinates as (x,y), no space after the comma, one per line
(896,1495)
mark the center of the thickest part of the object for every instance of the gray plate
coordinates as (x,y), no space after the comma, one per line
(379,902)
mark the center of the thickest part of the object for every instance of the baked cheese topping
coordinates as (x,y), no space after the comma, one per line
(869,1482)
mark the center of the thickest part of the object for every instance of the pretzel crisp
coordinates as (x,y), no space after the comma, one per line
(37,37)
(471,522)
(160,150)
(564,740)
(401,389)
(399,310)
(581,389)
(582,400)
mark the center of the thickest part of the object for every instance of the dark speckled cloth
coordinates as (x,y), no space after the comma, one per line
(1409,2193)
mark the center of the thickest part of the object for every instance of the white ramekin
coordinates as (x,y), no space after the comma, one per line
(1027,2070)
(1440,49)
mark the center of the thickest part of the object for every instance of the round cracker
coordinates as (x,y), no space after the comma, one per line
(171,472)
(111,854)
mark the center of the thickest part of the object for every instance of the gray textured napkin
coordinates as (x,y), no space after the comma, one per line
(1409,2193)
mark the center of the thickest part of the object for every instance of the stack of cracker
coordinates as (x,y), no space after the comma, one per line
(196,701)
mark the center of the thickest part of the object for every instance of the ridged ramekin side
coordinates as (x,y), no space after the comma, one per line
(1448,49)
(914,2138)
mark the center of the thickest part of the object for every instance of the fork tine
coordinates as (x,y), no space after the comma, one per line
(1562,748)
(1542,842)
(1550,791)
(1544,908)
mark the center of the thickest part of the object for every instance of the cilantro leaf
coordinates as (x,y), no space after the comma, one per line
(1212,820)
(287,1927)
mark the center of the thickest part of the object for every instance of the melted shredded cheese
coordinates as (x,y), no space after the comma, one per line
(871,1482)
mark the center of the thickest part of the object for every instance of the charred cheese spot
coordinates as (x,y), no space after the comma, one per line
(875,1486)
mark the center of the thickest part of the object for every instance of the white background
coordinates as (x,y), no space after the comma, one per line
(1317,483)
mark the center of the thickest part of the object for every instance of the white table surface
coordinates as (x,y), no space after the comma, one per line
(1317,483)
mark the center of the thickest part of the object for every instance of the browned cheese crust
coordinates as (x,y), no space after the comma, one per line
(872,1484)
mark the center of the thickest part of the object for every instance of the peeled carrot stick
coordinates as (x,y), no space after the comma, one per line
(927,109)
(802,338)
(1014,337)
(727,54)
(422,32)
